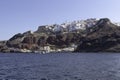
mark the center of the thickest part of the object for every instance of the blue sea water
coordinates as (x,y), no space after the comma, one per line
(62,66)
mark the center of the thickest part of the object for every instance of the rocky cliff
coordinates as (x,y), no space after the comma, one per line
(90,35)
(103,37)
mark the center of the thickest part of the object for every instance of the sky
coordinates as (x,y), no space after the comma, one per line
(18,16)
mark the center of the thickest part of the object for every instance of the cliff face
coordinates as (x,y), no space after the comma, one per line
(103,37)
(97,36)
(35,41)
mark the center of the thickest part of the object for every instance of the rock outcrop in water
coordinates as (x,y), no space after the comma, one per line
(82,36)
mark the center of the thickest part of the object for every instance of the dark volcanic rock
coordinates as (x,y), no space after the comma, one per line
(26,40)
(42,41)
(15,40)
(30,42)
(104,37)
(41,29)
(19,35)
(64,40)
(30,39)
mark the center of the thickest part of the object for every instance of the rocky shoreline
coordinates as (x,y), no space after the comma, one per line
(101,36)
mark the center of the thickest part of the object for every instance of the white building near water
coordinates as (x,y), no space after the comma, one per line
(45,49)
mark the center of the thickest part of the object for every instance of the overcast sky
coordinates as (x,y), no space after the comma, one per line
(18,16)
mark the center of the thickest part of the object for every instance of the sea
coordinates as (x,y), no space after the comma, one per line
(60,66)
